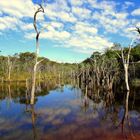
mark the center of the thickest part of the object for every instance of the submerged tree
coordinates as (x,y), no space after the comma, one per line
(39,10)
(126,64)
(125,56)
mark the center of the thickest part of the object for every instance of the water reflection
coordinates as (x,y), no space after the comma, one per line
(33,115)
(66,112)
(126,122)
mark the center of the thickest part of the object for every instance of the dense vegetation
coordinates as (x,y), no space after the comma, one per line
(104,68)
(19,67)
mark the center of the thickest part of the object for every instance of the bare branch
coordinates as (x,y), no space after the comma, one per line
(40,9)
(118,54)
(41,60)
(137,29)
(122,55)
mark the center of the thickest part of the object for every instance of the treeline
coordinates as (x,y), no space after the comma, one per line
(100,69)
(106,70)
(19,67)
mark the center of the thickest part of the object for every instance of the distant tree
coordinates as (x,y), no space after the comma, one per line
(26,57)
(136,53)
(96,55)
(11,61)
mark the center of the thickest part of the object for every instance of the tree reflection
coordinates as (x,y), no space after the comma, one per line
(108,99)
(125,122)
(9,97)
(33,116)
(30,109)
(85,101)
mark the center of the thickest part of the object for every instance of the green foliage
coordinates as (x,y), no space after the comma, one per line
(96,55)
(22,66)
(26,57)
(110,59)
(136,53)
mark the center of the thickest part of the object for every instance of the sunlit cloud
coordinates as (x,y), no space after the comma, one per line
(136,12)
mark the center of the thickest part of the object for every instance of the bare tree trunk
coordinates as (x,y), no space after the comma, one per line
(97,76)
(40,9)
(9,68)
(33,85)
(126,77)
(126,64)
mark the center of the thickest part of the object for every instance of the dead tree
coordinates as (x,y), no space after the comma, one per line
(39,10)
(10,64)
(126,64)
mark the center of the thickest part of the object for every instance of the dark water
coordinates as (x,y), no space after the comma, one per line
(65,113)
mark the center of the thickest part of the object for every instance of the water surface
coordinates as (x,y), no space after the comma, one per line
(65,113)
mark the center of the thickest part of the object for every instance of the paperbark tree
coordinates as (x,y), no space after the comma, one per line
(39,10)
(10,64)
(126,64)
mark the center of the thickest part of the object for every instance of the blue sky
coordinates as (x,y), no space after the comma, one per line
(73,29)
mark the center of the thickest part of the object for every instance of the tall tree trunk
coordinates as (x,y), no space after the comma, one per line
(33,84)
(35,69)
(126,76)
(40,9)
(126,64)
(9,68)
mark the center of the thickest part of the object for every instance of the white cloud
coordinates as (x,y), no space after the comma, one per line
(83,37)
(110,24)
(77,26)
(62,5)
(52,12)
(84,42)
(76,2)
(28,26)
(68,17)
(85,28)
(8,23)
(55,35)
(2,26)
(51,34)
(103,5)
(16,11)
(81,12)
(136,12)
(57,24)
(18,8)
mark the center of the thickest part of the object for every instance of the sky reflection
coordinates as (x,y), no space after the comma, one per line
(63,114)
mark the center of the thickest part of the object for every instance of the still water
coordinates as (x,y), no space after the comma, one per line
(65,113)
